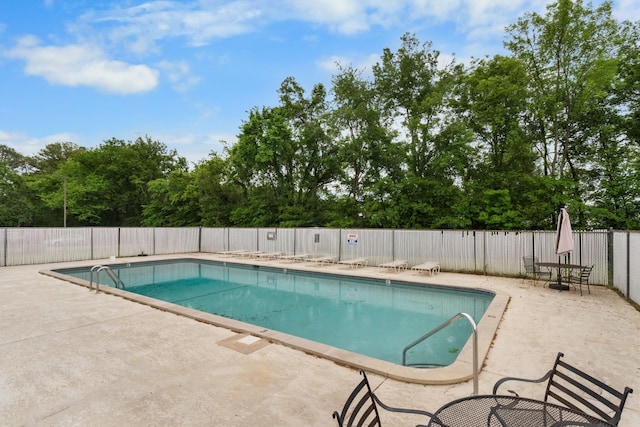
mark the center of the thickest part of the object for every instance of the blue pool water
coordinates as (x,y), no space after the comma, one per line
(366,316)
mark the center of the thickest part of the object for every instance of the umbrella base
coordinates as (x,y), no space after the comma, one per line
(559,286)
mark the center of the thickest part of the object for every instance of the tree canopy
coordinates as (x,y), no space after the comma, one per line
(499,143)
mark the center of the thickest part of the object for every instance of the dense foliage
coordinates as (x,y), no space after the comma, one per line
(500,143)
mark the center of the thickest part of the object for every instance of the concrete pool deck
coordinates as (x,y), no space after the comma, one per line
(73,357)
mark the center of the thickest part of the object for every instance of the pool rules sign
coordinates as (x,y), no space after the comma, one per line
(352,239)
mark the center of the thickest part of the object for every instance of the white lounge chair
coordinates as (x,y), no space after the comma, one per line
(268,255)
(232,253)
(251,254)
(431,267)
(396,265)
(321,260)
(294,258)
(355,262)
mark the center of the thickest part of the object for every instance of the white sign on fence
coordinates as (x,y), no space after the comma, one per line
(352,239)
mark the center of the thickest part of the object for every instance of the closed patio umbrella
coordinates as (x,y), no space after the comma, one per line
(564,242)
(564,235)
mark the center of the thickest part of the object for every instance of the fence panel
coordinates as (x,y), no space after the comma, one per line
(503,252)
(242,239)
(591,248)
(3,247)
(418,246)
(176,240)
(621,261)
(104,242)
(213,239)
(634,267)
(136,241)
(626,272)
(318,241)
(374,245)
(44,245)
(276,240)
(459,250)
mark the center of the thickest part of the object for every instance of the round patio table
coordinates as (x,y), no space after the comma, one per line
(509,411)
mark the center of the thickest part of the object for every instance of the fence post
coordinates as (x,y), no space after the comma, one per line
(610,260)
(628,264)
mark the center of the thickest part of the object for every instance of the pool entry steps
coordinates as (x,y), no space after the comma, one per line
(97,269)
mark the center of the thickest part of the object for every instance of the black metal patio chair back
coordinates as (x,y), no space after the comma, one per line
(582,278)
(532,270)
(574,388)
(361,407)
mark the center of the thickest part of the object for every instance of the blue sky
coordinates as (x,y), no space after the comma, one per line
(186,72)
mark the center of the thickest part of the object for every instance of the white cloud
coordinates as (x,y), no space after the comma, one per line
(141,28)
(344,16)
(138,28)
(364,63)
(28,145)
(197,147)
(82,65)
(179,74)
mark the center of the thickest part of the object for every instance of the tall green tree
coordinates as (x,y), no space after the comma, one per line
(366,149)
(47,183)
(16,201)
(109,185)
(570,56)
(502,187)
(217,194)
(284,159)
(414,90)
(49,159)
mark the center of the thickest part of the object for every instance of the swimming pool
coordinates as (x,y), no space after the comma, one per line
(375,318)
(458,371)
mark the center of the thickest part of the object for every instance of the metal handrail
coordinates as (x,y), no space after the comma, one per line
(94,268)
(98,268)
(438,329)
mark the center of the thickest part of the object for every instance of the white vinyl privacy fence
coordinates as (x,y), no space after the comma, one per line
(482,252)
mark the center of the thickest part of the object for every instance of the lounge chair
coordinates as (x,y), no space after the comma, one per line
(431,267)
(575,389)
(232,253)
(355,262)
(251,254)
(268,255)
(361,407)
(294,258)
(321,260)
(396,265)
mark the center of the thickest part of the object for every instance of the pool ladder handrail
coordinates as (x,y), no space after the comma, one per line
(97,269)
(441,327)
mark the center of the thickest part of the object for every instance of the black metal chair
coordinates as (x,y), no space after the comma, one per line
(361,407)
(583,277)
(531,269)
(575,389)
